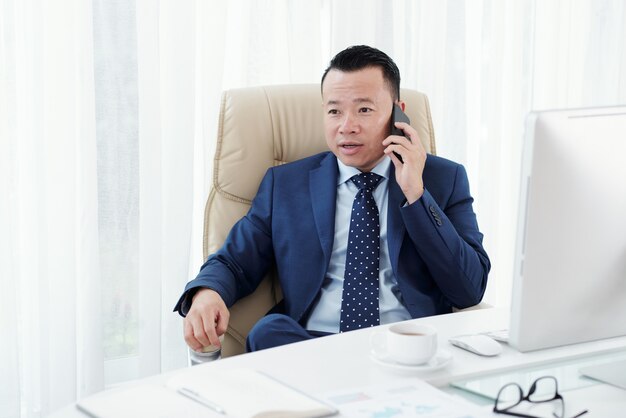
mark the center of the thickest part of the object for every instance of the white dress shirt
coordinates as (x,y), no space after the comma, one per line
(326,312)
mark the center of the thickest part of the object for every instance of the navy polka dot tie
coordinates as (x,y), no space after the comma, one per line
(359,303)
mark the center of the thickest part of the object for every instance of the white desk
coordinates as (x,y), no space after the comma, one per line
(342,361)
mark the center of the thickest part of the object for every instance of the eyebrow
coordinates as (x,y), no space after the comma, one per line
(357,100)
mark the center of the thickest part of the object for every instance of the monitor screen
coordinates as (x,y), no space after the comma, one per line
(569,283)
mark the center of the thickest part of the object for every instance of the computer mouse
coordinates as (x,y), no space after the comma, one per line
(478,344)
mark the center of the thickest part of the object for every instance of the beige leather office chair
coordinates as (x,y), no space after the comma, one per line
(261,127)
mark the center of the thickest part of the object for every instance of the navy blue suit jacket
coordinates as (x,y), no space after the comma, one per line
(435,246)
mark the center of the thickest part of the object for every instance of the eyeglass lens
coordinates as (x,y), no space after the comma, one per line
(509,396)
(543,389)
(540,395)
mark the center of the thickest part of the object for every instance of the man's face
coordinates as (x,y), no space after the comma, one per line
(357,114)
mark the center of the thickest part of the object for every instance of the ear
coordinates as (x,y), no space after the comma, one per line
(401,104)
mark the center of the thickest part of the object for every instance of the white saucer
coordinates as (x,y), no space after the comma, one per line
(439,361)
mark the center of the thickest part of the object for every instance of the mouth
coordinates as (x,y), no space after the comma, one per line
(349,145)
(349,148)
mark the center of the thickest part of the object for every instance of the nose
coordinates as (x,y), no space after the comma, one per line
(348,124)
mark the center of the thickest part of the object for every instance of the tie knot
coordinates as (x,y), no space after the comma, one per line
(366,180)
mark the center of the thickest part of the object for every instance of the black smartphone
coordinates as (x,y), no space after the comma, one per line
(397,115)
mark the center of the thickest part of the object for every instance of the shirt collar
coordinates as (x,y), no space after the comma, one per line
(347,172)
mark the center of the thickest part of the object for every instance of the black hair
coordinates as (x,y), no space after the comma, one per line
(359,57)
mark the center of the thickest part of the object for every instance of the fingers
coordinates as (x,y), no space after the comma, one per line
(193,338)
(222,322)
(394,157)
(206,320)
(200,330)
(210,332)
(405,149)
(409,170)
(410,135)
(408,146)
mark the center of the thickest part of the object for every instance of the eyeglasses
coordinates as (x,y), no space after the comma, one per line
(543,390)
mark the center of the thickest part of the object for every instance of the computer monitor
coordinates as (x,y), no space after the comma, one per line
(569,284)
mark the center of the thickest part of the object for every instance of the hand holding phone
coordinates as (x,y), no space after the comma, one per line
(397,115)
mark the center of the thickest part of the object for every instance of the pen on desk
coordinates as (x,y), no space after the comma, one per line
(200,399)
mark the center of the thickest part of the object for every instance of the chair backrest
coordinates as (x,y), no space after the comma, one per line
(261,127)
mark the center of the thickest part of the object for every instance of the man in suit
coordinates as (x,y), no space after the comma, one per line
(426,253)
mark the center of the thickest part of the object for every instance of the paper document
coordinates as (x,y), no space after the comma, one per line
(141,401)
(403,399)
(247,393)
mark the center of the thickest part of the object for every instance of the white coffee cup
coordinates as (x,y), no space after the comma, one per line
(405,343)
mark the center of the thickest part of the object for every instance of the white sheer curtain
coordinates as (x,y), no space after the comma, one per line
(50,283)
(103,178)
(107,115)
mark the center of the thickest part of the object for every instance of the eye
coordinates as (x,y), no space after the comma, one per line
(365,110)
(333,112)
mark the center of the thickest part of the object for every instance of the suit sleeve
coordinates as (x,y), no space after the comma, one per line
(237,268)
(447,238)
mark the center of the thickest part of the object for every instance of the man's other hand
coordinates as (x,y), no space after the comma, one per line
(206,320)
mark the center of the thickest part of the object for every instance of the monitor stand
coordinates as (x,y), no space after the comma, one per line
(570,373)
(613,373)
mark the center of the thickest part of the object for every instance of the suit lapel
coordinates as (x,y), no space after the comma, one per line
(395,225)
(323,192)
